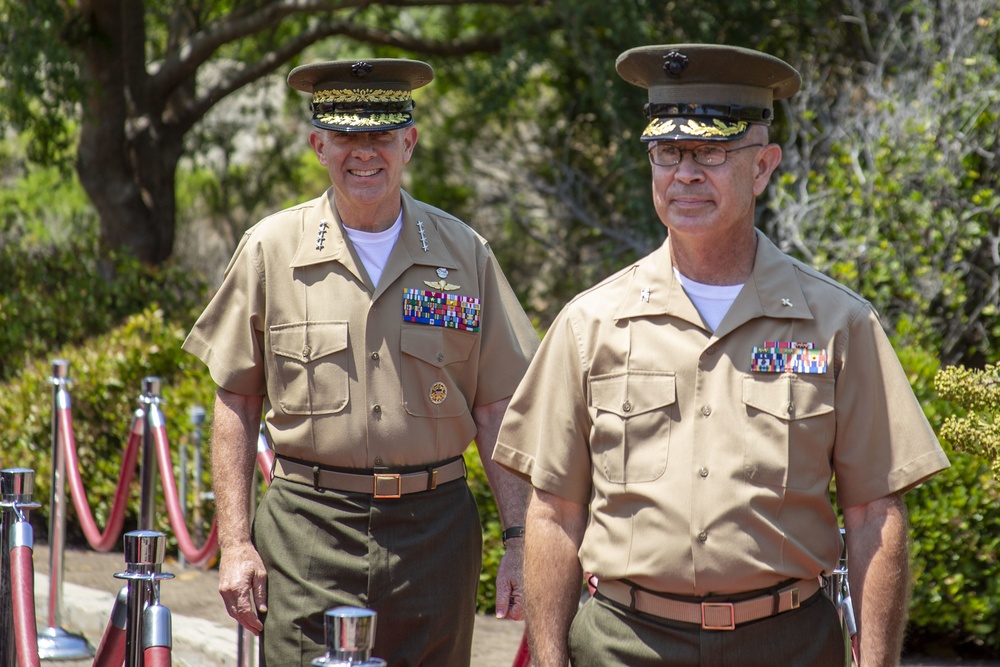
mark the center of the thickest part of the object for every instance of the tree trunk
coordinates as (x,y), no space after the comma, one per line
(128,152)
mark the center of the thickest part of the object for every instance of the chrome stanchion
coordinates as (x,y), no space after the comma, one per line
(350,635)
(147,486)
(54,643)
(144,552)
(197,417)
(17,485)
(244,647)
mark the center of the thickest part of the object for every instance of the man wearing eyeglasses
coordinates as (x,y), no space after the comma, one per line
(378,337)
(683,419)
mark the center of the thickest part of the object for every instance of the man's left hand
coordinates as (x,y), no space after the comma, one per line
(510,581)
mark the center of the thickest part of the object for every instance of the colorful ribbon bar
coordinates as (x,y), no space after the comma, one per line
(438,309)
(788,356)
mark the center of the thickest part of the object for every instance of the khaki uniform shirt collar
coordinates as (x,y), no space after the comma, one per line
(772,290)
(419,242)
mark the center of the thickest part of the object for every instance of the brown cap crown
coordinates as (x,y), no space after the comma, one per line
(362,95)
(706,91)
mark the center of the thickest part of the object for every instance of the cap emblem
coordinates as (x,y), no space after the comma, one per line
(674,64)
(361,69)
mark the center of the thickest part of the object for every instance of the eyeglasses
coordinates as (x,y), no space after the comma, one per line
(707,155)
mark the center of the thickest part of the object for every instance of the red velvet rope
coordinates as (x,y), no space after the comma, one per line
(99,541)
(22,579)
(265,461)
(523,656)
(193,554)
(156,656)
(111,652)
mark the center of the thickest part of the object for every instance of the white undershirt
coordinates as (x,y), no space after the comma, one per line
(374,247)
(712,301)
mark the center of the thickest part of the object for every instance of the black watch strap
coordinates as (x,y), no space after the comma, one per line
(513,531)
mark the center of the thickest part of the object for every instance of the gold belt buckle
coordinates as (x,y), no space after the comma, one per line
(388,485)
(727,621)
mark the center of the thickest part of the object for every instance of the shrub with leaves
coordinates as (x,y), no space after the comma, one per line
(978,393)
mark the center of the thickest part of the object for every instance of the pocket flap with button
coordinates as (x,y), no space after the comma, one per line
(306,341)
(633,393)
(436,345)
(789,396)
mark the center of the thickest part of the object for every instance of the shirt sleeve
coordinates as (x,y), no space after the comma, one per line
(228,336)
(545,432)
(884,443)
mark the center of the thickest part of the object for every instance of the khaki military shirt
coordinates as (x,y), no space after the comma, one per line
(706,464)
(356,375)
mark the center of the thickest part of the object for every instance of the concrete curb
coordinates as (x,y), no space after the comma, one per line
(196,642)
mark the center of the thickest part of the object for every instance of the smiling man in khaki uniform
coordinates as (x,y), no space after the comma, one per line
(683,419)
(384,338)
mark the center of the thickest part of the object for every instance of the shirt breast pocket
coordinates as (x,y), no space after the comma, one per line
(311,367)
(432,361)
(790,429)
(632,414)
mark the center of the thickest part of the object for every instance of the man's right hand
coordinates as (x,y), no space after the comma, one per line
(243,586)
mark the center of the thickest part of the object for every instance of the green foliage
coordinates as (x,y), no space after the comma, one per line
(892,186)
(56,303)
(107,375)
(955,531)
(977,392)
(41,83)
(955,553)
(51,296)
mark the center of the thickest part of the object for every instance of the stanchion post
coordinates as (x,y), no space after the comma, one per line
(147,487)
(350,635)
(197,416)
(17,485)
(54,643)
(144,552)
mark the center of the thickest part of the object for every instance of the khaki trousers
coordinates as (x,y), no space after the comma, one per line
(605,633)
(415,560)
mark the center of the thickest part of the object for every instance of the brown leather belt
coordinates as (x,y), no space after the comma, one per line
(379,484)
(710,615)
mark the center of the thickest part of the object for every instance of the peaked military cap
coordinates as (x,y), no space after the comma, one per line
(362,95)
(706,91)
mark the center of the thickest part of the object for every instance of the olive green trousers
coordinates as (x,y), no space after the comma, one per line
(605,633)
(414,560)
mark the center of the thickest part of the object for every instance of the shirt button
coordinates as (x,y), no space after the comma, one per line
(710,351)
(706,410)
(703,471)
(439,357)
(626,407)
(702,536)
(306,351)
(377,409)
(374,356)
(378,460)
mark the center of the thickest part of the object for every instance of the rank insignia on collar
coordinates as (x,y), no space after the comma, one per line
(442,286)
(321,236)
(423,236)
